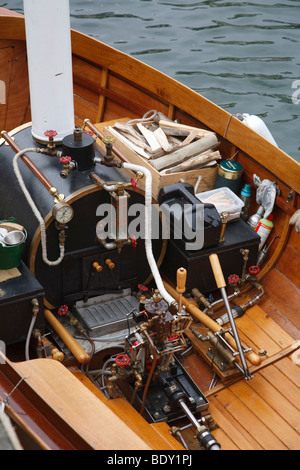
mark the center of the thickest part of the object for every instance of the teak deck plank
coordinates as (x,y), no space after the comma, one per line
(282,383)
(290,370)
(249,421)
(257,314)
(250,396)
(227,443)
(155,435)
(238,434)
(264,411)
(273,397)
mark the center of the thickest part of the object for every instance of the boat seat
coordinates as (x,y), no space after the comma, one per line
(66,399)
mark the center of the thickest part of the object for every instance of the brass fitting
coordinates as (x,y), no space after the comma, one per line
(36,306)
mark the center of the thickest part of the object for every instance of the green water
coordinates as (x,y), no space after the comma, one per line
(244,56)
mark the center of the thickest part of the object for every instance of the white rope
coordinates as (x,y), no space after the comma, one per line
(35,209)
(145,118)
(148,240)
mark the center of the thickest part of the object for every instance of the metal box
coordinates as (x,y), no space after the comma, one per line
(238,235)
(16,295)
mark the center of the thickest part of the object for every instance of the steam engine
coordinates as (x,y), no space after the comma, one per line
(57,192)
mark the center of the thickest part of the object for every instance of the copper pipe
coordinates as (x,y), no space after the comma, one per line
(119,154)
(154,361)
(27,161)
(97,179)
(78,352)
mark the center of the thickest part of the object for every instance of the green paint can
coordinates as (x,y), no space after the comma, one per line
(229,175)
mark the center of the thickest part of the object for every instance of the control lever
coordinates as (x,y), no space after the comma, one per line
(181,280)
(221,284)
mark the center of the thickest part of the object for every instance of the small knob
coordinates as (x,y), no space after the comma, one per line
(133,182)
(254,270)
(57,355)
(143,288)
(65,159)
(233,279)
(51,133)
(108,140)
(97,266)
(133,241)
(109,263)
(122,360)
(63,310)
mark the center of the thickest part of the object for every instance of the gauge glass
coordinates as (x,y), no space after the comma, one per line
(63,213)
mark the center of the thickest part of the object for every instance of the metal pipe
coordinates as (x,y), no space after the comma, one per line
(234,331)
(96,131)
(214,260)
(27,161)
(245,253)
(205,438)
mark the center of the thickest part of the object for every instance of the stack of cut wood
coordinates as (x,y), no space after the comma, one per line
(169,146)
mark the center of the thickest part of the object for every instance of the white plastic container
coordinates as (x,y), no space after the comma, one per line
(224,200)
(263,229)
(48,40)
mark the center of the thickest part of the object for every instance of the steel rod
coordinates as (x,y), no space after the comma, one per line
(235,332)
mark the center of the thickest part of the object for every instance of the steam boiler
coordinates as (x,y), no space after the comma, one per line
(72,206)
(94,270)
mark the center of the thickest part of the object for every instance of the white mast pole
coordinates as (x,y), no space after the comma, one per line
(48,40)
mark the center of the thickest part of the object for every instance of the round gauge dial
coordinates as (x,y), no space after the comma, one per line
(62,212)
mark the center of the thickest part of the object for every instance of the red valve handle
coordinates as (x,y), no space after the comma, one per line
(122,360)
(233,279)
(143,288)
(63,310)
(88,132)
(254,270)
(133,241)
(65,159)
(50,133)
(133,182)
(172,338)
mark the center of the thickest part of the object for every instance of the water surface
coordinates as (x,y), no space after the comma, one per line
(244,56)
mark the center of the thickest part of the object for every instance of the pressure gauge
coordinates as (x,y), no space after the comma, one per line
(62,212)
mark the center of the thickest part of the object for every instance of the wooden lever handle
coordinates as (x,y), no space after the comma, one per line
(217,270)
(181,280)
(200,316)
(71,343)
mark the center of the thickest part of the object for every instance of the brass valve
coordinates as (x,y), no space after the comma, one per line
(51,133)
(68,165)
(108,159)
(224,218)
(57,355)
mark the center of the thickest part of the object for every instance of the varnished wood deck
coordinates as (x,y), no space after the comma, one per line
(263,413)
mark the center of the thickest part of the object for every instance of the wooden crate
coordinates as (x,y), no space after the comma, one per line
(208,175)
